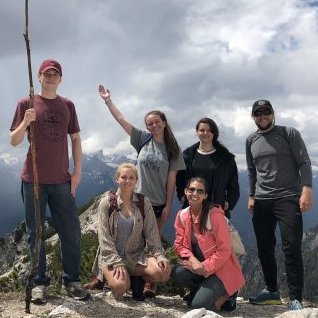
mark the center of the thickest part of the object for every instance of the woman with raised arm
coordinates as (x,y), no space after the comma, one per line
(159,159)
(208,266)
(125,222)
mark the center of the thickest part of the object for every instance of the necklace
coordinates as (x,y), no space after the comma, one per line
(206,152)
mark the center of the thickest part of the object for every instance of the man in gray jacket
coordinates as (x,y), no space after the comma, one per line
(280,190)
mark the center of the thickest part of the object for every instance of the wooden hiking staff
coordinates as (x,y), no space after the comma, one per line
(38,227)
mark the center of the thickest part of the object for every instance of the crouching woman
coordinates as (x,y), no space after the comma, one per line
(208,266)
(126,224)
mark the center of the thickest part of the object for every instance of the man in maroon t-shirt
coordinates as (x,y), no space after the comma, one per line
(54,119)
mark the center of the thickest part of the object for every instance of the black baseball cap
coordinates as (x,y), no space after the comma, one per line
(262,103)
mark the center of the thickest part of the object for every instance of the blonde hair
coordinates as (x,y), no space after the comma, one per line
(126,165)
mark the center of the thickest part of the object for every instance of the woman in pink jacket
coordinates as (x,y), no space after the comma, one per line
(208,267)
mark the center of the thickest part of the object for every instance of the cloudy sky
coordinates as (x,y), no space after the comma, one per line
(188,58)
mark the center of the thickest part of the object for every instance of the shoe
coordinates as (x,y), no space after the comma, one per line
(38,295)
(150,290)
(137,288)
(266,297)
(76,290)
(230,304)
(189,295)
(294,305)
(94,284)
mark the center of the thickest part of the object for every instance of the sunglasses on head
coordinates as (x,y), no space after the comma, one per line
(261,112)
(198,191)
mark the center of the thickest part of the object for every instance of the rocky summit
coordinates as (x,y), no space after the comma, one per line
(14,267)
(102,305)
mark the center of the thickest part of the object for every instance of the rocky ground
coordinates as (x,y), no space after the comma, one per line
(12,305)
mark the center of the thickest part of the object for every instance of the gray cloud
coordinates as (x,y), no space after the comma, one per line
(190,59)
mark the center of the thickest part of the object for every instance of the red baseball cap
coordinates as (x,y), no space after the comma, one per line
(50,64)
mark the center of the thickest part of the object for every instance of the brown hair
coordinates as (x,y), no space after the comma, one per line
(206,205)
(169,138)
(214,129)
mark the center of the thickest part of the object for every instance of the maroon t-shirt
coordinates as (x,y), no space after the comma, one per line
(55,119)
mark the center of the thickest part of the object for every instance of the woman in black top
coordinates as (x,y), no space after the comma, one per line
(210,160)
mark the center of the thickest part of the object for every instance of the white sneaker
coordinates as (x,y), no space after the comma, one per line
(39,295)
(294,305)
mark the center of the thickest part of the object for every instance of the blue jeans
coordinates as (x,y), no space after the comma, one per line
(66,222)
(206,290)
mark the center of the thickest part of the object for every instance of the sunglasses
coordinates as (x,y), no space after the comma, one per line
(198,191)
(261,112)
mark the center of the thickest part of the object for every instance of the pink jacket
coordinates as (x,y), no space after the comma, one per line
(215,244)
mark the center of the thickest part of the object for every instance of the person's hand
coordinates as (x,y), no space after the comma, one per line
(29,116)
(193,265)
(75,180)
(104,93)
(120,272)
(305,200)
(165,267)
(165,214)
(250,204)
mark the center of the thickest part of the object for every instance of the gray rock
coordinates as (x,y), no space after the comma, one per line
(195,313)
(305,313)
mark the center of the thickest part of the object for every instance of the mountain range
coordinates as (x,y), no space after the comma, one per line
(98,176)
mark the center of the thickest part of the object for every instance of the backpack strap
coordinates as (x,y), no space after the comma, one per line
(284,134)
(112,202)
(141,204)
(112,205)
(182,215)
(143,142)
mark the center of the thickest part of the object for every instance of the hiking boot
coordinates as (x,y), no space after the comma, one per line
(150,290)
(76,290)
(266,297)
(189,295)
(94,284)
(137,288)
(294,305)
(230,304)
(38,295)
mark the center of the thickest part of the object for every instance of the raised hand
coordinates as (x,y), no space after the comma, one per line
(104,93)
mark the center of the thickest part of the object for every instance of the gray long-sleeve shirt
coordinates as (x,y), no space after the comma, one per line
(278,163)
